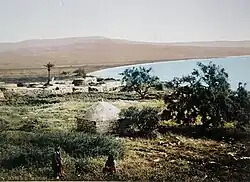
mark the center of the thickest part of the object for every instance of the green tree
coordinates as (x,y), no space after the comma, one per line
(80,72)
(139,80)
(49,66)
(240,111)
(206,93)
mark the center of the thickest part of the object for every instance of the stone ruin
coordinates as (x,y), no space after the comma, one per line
(100,117)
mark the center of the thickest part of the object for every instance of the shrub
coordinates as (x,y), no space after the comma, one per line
(159,86)
(85,126)
(138,121)
(64,73)
(27,157)
(32,125)
(81,164)
(21,84)
(78,82)
(80,144)
(29,149)
(110,79)
(80,72)
(100,79)
(4,125)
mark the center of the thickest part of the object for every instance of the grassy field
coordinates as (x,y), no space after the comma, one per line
(32,128)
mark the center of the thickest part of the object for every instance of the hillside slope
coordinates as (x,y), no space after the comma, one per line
(100,52)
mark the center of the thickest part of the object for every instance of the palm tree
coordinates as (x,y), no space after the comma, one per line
(49,66)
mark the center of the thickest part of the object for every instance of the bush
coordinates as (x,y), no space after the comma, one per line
(99,79)
(33,125)
(159,86)
(80,72)
(4,125)
(21,84)
(110,79)
(80,144)
(29,149)
(65,73)
(27,157)
(85,126)
(136,121)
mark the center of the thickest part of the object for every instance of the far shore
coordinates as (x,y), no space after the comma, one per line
(163,61)
(22,60)
(91,68)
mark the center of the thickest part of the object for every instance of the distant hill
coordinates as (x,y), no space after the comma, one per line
(100,52)
(245,43)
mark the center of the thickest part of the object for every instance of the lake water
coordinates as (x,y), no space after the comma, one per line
(238,69)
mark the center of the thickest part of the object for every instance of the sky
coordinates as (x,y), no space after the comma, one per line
(138,20)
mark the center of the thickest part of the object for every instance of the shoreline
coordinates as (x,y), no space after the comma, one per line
(164,61)
(95,68)
(220,61)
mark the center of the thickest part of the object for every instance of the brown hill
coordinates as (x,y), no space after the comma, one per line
(28,57)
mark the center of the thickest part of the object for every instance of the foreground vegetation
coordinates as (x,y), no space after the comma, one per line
(198,138)
(32,131)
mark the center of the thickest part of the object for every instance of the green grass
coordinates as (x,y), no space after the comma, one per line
(166,158)
(141,104)
(58,116)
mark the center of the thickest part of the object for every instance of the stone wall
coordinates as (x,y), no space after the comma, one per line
(81,89)
(90,80)
(110,86)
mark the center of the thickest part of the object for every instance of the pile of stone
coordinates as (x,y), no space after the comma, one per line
(103,116)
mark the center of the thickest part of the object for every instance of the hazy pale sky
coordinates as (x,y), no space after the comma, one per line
(142,20)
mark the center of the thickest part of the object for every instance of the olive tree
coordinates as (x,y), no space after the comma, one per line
(80,72)
(139,80)
(206,93)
